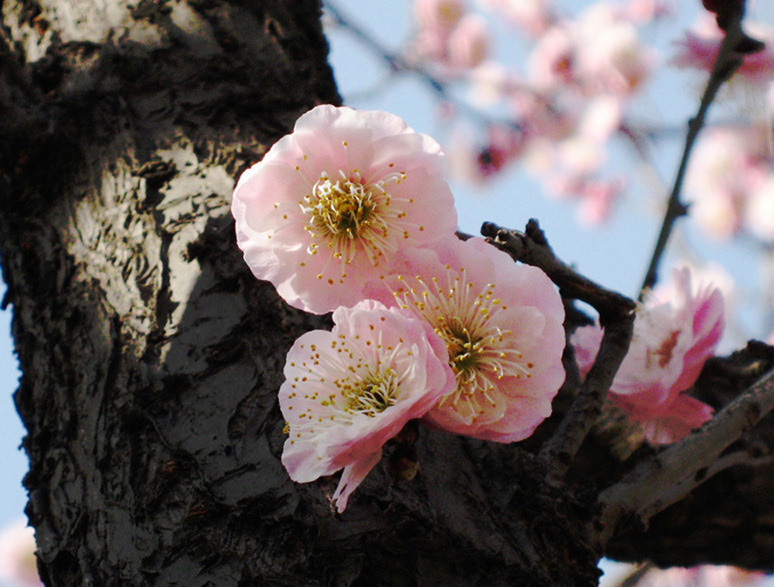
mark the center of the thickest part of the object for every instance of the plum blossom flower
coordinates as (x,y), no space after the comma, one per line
(330,204)
(502,325)
(699,50)
(469,42)
(348,391)
(703,576)
(759,214)
(18,567)
(611,57)
(728,172)
(671,341)
(440,15)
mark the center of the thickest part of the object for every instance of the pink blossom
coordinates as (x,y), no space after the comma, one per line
(552,61)
(699,49)
(611,57)
(348,391)
(727,166)
(468,42)
(759,213)
(502,325)
(533,16)
(18,566)
(672,340)
(331,203)
(703,576)
(441,15)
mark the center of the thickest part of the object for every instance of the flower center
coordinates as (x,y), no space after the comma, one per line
(353,216)
(481,349)
(465,351)
(341,208)
(372,395)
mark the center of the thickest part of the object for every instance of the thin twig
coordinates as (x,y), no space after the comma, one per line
(728,61)
(616,315)
(669,476)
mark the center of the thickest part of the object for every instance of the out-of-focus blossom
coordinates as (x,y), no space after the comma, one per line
(552,60)
(348,391)
(18,566)
(468,42)
(502,325)
(442,15)
(330,204)
(759,214)
(532,16)
(703,576)
(644,11)
(699,49)
(611,57)
(672,340)
(728,168)
(490,82)
(449,36)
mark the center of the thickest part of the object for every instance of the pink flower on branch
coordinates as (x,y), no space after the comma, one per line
(672,340)
(502,325)
(331,203)
(699,49)
(348,391)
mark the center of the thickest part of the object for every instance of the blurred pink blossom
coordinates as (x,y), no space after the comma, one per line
(759,213)
(644,11)
(728,168)
(672,339)
(18,565)
(703,576)
(502,325)
(552,61)
(330,204)
(468,42)
(441,15)
(699,50)
(532,16)
(611,56)
(348,391)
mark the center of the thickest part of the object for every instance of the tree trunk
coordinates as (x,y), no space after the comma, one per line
(151,357)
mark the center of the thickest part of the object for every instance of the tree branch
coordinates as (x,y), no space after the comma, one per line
(669,476)
(616,314)
(732,50)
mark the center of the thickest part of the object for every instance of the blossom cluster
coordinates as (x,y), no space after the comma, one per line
(350,213)
(560,114)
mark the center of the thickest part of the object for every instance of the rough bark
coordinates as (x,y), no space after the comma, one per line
(151,358)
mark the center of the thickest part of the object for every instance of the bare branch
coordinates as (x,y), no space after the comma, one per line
(670,475)
(732,50)
(616,314)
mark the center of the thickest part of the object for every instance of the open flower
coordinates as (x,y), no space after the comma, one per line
(330,204)
(348,391)
(671,341)
(18,565)
(502,325)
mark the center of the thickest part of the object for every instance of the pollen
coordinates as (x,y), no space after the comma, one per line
(353,215)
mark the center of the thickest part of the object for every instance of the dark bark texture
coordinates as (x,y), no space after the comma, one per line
(151,358)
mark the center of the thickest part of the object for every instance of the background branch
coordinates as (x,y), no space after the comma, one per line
(670,475)
(616,315)
(732,50)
